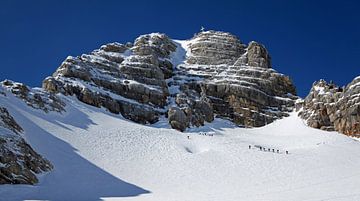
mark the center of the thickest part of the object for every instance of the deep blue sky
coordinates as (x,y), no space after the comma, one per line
(307,40)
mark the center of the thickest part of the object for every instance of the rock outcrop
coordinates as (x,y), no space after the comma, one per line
(18,161)
(213,74)
(178,119)
(127,79)
(330,107)
(35,98)
(230,80)
(214,48)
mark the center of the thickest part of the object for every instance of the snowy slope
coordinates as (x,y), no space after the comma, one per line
(101,156)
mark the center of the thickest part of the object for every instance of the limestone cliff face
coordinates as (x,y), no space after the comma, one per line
(127,79)
(230,80)
(212,74)
(214,48)
(330,107)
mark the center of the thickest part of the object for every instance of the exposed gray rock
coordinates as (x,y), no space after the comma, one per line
(220,76)
(154,44)
(257,55)
(215,47)
(18,161)
(236,81)
(198,108)
(178,119)
(158,46)
(35,98)
(127,79)
(330,107)
(114,47)
(8,122)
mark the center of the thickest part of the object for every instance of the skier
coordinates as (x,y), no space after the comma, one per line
(277,151)
(273,150)
(249,146)
(188,137)
(260,148)
(287,152)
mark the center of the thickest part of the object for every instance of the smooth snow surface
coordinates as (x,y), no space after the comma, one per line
(100,156)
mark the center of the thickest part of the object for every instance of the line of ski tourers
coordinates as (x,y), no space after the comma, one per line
(261,148)
(203,133)
(206,134)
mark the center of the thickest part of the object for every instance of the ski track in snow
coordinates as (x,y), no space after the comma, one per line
(101,156)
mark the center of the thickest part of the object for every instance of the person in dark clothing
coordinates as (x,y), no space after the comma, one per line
(287,152)
(249,146)
(277,151)
(260,148)
(273,150)
(269,149)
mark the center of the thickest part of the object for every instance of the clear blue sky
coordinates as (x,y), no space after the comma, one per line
(308,40)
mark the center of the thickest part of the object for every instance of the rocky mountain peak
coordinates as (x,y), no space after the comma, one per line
(212,74)
(214,47)
(156,44)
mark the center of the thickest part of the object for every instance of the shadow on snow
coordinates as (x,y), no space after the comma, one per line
(73,177)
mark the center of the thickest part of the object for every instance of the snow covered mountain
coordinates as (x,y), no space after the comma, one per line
(189,80)
(165,119)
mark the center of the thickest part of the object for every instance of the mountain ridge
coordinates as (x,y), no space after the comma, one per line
(145,71)
(188,83)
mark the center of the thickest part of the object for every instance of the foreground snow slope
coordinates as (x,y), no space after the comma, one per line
(100,156)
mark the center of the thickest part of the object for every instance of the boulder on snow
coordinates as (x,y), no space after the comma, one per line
(178,119)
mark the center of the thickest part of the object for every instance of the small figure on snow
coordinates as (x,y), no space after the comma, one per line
(287,152)
(249,146)
(188,137)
